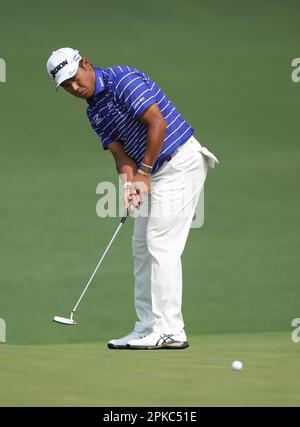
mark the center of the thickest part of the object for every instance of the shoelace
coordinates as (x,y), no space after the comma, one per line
(165,338)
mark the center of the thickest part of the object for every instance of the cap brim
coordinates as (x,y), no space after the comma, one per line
(66,76)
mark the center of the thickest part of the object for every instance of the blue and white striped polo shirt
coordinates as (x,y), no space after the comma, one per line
(121,96)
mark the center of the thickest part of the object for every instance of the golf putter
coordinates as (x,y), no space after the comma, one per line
(71,321)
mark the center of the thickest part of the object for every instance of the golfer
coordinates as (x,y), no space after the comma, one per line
(163,168)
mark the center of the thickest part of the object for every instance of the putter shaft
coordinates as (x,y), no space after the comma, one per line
(123,219)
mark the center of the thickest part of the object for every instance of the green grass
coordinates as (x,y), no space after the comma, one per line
(91,375)
(227,67)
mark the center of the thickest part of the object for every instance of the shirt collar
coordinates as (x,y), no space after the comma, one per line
(100,84)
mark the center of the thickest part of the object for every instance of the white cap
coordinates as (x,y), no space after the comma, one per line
(63,64)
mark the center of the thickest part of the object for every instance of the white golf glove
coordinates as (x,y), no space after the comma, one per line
(210,157)
(132,200)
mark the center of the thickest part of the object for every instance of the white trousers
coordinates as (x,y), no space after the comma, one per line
(161,229)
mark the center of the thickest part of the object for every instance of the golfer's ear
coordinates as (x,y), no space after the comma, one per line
(86,64)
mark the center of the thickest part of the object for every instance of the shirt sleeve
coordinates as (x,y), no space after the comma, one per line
(134,94)
(106,140)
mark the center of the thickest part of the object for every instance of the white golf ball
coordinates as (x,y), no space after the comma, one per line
(237,365)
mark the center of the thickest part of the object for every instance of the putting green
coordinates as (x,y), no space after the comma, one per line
(227,68)
(91,375)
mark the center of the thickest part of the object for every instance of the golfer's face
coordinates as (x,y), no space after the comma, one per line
(82,85)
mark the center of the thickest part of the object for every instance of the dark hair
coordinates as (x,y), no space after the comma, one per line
(80,63)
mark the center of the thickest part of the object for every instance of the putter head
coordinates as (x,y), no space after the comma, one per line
(64,320)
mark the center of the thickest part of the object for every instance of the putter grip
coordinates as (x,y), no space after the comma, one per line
(125,216)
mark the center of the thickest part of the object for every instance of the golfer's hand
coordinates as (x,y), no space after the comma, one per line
(131,198)
(141,184)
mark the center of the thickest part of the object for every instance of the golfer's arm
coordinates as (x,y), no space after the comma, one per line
(125,165)
(156,133)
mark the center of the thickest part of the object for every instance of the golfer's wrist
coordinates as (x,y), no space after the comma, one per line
(145,169)
(140,172)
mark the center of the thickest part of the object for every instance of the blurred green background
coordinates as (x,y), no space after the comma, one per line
(227,68)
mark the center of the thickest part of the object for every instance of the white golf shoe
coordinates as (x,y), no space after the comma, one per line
(121,343)
(156,341)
